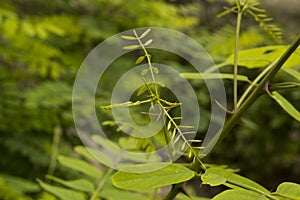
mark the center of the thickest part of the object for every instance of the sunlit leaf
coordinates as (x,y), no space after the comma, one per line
(81,166)
(289,190)
(216,176)
(62,193)
(168,175)
(142,90)
(112,193)
(140,59)
(213,179)
(214,76)
(130,47)
(286,105)
(239,194)
(263,56)
(145,33)
(148,42)
(127,37)
(79,184)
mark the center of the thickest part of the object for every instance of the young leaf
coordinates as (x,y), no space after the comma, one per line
(144,72)
(215,176)
(142,90)
(214,76)
(148,42)
(81,166)
(140,59)
(79,184)
(213,179)
(155,69)
(171,174)
(239,194)
(286,105)
(62,193)
(127,37)
(289,190)
(130,47)
(169,125)
(145,33)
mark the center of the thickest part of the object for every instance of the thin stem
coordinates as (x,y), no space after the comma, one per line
(101,184)
(126,104)
(55,148)
(232,121)
(185,140)
(148,56)
(235,62)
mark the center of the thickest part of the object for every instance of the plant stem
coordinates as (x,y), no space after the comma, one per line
(101,184)
(148,56)
(177,188)
(235,62)
(55,148)
(232,121)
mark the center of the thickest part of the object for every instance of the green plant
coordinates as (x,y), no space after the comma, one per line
(95,183)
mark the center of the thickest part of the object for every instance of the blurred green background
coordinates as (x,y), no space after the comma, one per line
(43,43)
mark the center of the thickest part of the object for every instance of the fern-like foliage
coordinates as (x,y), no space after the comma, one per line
(259,14)
(179,137)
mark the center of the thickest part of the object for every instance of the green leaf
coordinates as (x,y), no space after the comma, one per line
(62,193)
(239,194)
(215,176)
(148,42)
(292,72)
(213,179)
(127,37)
(145,33)
(263,56)
(140,59)
(130,47)
(79,184)
(214,76)
(155,70)
(144,72)
(19,184)
(112,193)
(289,190)
(286,105)
(142,90)
(83,151)
(81,166)
(171,174)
